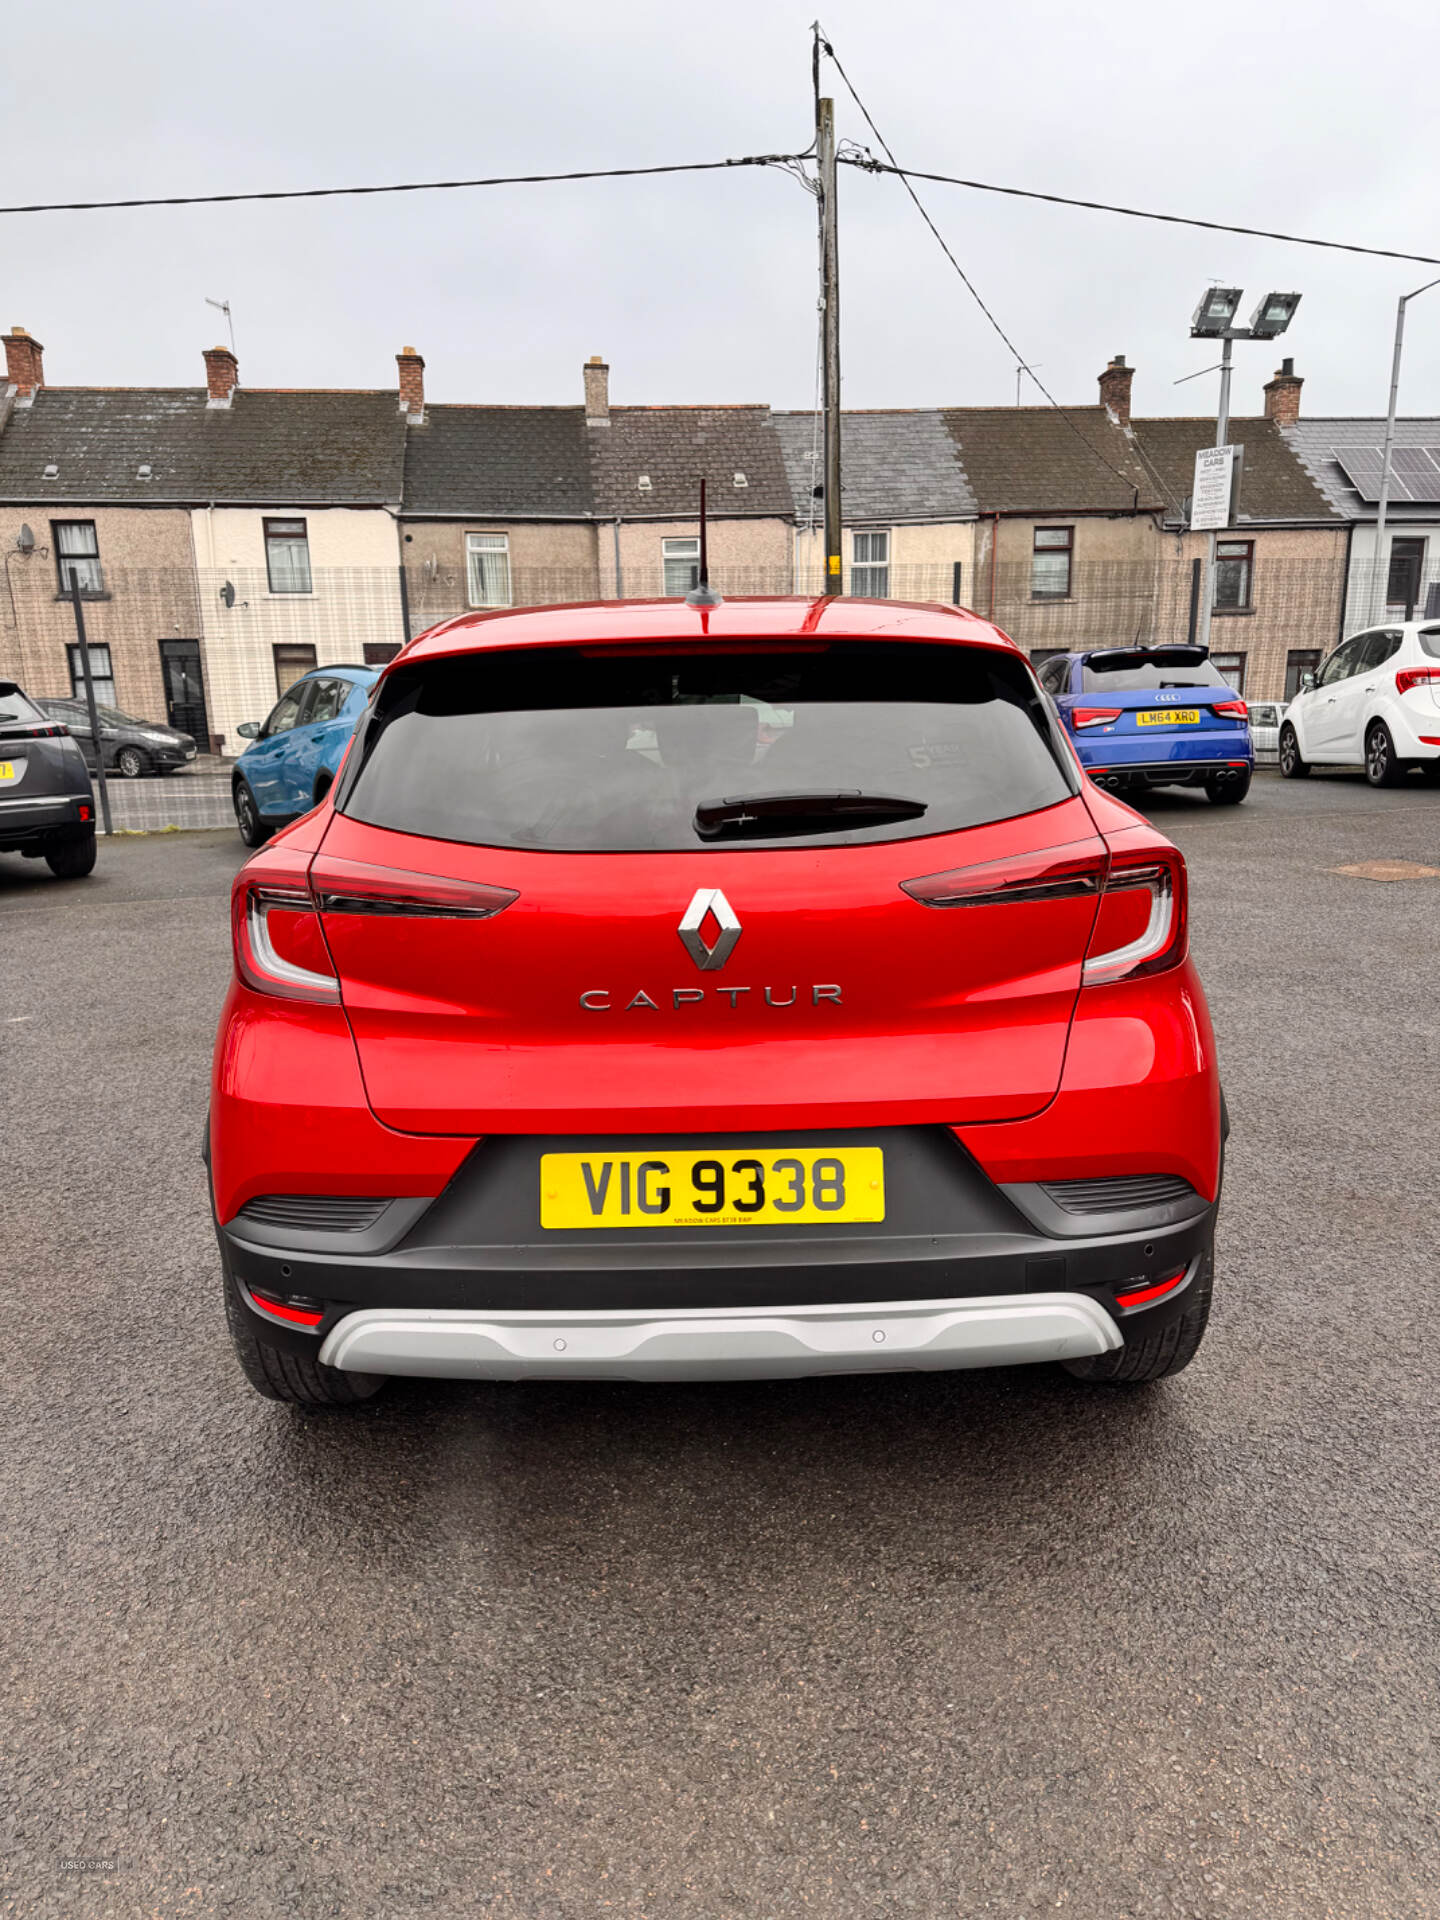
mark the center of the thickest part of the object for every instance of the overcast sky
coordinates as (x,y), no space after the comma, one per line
(702,287)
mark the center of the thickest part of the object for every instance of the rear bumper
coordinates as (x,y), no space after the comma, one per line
(962,1273)
(1171,773)
(32,819)
(738,1344)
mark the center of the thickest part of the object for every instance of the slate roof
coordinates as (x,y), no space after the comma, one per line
(519,463)
(268,447)
(1039,460)
(897,467)
(675,446)
(1314,443)
(1275,485)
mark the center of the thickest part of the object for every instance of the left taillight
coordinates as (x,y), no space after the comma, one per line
(279,943)
(1080,717)
(1408,678)
(280,901)
(1141,927)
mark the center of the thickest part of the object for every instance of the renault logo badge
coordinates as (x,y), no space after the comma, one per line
(709,902)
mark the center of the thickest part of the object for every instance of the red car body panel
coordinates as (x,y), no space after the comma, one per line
(973,1018)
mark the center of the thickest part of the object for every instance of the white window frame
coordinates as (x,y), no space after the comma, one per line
(870,563)
(287,553)
(1043,554)
(683,550)
(494,549)
(82,560)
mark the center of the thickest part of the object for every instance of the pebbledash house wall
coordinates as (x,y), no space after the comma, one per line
(150,594)
(550,562)
(922,558)
(354,600)
(745,556)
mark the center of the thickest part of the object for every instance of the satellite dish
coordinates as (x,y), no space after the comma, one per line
(227,594)
(25,540)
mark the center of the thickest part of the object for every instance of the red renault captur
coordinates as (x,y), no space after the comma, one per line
(680,992)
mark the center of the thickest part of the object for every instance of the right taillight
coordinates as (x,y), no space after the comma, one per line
(1140,927)
(1408,678)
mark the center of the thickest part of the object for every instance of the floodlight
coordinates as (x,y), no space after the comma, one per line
(1216,312)
(1273,315)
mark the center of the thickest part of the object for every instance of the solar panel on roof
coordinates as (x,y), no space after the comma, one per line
(1362,468)
(1420,470)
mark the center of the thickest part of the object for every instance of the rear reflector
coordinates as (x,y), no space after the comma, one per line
(1093,716)
(1408,678)
(1143,1295)
(295,1316)
(1430,739)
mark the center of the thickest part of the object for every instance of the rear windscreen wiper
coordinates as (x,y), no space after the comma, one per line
(767,815)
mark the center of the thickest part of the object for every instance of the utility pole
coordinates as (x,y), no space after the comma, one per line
(1222,431)
(1382,572)
(830,331)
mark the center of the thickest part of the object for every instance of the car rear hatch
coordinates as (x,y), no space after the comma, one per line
(1162,703)
(625,890)
(40,767)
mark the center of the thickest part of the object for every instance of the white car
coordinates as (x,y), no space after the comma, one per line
(1374,703)
(1265,719)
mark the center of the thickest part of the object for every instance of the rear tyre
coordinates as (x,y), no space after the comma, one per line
(1292,767)
(1228,793)
(1382,769)
(130,763)
(253,830)
(73,857)
(1155,1356)
(293,1377)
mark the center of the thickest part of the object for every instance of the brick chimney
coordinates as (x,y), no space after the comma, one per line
(222,372)
(1282,394)
(412,386)
(23,368)
(1115,389)
(597,392)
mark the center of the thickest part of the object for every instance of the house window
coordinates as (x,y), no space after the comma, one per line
(287,556)
(77,555)
(1231,668)
(1234,568)
(101,673)
(1050,563)
(682,566)
(870,565)
(1407,565)
(1299,661)
(290,663)
(487,566)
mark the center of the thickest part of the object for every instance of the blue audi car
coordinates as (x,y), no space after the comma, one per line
(1153,717)
(295,753)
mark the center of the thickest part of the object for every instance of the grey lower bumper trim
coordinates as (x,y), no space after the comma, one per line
(732,1344)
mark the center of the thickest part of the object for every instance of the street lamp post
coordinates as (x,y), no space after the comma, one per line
(1382,586)
(1212,321)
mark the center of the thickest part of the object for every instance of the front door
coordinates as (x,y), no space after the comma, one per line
(1329,719)
(185,690)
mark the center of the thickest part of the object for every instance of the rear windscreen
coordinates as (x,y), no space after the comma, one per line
(559,749)
(1137,672)
(14,705)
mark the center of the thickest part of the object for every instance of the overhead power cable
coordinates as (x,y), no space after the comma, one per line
(410,186)
(1131,213)
(1125,479)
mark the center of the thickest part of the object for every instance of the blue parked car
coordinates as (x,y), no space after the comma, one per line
(1158,716)
(295,754)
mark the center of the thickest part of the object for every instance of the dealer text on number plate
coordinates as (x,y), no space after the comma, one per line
(734,1188)
(1170,717)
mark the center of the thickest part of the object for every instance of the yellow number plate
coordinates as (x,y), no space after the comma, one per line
(1170,717)
(795,1186)
(7,769)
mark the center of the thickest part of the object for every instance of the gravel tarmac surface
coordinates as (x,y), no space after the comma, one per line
(951,1645)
